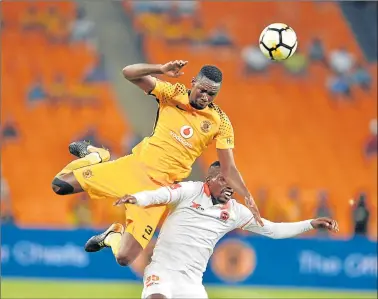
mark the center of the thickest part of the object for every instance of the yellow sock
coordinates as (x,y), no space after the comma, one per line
(113,240)
(91,159)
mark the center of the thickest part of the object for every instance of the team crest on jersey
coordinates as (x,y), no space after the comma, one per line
(87,174)
(186,132)
(205,126)
(224,215)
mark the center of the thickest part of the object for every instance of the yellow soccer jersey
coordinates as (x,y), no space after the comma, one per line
(181,133)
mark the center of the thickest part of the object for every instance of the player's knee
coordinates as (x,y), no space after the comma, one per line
(61,187)
(129,250)
(124,260)
(156,296)
(55,188)
(126,257)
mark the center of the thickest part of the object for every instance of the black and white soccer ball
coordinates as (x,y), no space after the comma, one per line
(278,41)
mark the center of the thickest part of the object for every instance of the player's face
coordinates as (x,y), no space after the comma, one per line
(203,92)
(219,188)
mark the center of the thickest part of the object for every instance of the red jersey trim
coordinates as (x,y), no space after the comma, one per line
(206,189)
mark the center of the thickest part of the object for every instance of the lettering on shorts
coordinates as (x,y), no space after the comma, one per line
(147,232)
(151,280)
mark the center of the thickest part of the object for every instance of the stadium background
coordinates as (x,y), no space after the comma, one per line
(305,138)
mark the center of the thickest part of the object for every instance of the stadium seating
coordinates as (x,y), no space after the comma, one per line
(288,130)
(45,127)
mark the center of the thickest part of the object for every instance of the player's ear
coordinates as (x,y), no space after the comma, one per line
(193,81)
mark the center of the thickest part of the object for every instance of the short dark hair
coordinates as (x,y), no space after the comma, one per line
(212,73)
(215,164)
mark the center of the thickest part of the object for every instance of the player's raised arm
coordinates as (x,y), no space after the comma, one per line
(285,229)
(225,144)
(164,195)
(235,180)
(141,74)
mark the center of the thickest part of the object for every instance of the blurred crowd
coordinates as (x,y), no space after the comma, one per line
(178,23)
(291,207)
(50,88)
(58,30)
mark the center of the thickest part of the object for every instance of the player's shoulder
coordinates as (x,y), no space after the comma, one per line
(168,91)
(216,109)
(188,186)
(233,203)
(224,124)
(238,207)
(219,113)
(179,89)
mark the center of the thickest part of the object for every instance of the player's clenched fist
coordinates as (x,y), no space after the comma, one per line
(125,199)
(173,68)
(325,222)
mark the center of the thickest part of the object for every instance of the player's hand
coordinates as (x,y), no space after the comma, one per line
(173,68)
(251,205)
(125,199)
(325,222)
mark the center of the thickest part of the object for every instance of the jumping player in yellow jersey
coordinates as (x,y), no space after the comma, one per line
(187,122)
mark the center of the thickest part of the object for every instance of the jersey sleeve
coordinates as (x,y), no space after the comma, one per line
(165,92)
(225,136)
(244,216)
(172,194)
(270,229)
(163,195)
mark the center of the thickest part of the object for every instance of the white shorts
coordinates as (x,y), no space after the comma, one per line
(171,283)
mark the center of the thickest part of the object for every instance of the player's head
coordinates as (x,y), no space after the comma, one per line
(205,87)
(220,191)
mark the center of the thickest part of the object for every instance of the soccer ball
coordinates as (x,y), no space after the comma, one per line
(278,41)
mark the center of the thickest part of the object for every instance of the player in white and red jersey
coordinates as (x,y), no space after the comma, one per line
(200,215)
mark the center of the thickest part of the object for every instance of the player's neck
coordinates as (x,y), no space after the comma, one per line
(214,201)
(196,109)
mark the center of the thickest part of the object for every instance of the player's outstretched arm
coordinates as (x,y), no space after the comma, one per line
(235,180)
(141,74)
(289,229)
(161,196)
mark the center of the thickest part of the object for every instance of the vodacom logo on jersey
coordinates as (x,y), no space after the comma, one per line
(186,132)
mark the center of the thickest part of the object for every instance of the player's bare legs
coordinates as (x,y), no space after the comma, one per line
(65,182)
(124,246)
(129,249)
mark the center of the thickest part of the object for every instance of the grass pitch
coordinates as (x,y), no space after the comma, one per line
(16,288)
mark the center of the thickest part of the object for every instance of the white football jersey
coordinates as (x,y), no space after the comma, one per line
(195,225)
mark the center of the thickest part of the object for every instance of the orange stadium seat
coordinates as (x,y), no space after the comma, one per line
(287,131)
(45,129)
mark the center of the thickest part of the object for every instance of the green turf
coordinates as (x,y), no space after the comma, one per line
(11,288)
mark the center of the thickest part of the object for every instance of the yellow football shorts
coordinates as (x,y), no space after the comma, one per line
(114,179)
